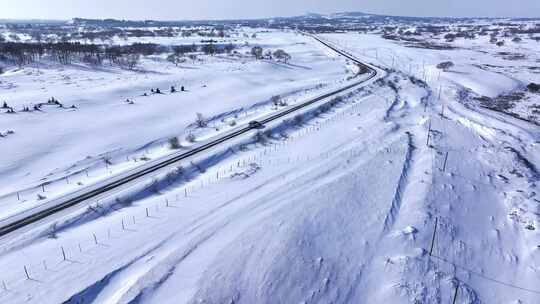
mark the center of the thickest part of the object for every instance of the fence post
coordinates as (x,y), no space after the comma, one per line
(456,293)
(26,272)
(63,253)
(429,134)
(445,160)
(442,111)
(433,238)
(95,238)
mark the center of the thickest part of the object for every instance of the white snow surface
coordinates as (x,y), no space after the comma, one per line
(341,208)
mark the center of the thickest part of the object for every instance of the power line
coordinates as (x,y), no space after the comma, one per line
(484,276)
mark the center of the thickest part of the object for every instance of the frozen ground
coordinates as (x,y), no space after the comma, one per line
(338,208)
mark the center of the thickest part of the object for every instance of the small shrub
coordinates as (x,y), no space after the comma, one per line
(260,138)
(191,138)
(145,158)
(199,168)
(534,87)
(174,143)
(298,120)
(275,100)
(445,65)
(52,233)
(175,174)
(154,186)
(201,121)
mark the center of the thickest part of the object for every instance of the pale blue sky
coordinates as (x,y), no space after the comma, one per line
(227,9)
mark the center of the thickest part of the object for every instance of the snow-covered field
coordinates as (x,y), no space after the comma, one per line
(406,191)
(58,142)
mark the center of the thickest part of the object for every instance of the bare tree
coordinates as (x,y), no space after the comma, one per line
(257,51)
(281,55)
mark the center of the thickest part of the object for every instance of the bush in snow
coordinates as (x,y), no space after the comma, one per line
(260,137)
(174,143)
(257,51)
(278,101)
(52,231)
(445,65)
(275,99)
(175,59)
(533,87)
(175,174)
(298,119)
(129,61)
(191,138)
(201,122)
(281,55)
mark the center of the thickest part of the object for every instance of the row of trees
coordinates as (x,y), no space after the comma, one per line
(127,56)
(279,55)
(66,53)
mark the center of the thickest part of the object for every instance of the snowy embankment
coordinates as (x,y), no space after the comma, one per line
(485,182)
(338,208)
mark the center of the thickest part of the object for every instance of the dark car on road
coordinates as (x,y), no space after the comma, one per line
(256,125)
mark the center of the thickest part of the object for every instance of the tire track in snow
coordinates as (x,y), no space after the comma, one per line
(395,206)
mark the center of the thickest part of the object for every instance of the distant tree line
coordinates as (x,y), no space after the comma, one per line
(126,56)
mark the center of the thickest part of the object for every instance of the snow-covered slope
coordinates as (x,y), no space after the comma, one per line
(339,207)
